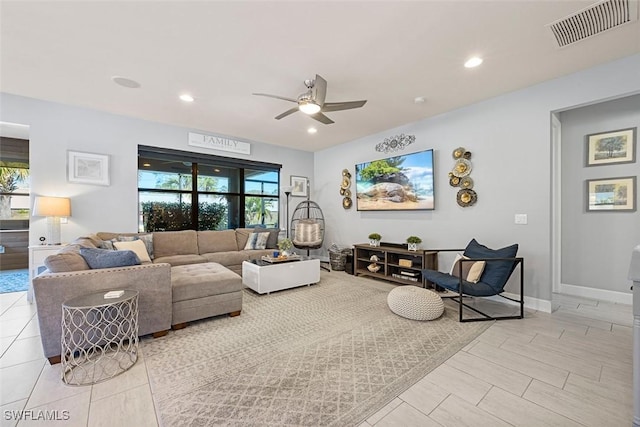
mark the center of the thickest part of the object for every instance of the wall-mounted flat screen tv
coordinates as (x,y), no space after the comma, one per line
(402,182)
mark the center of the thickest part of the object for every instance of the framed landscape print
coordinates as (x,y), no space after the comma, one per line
(606,148)
(612,194)
(300,186)
(88,168)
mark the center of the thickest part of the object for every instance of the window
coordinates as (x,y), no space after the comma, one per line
(14,184)
(179,190)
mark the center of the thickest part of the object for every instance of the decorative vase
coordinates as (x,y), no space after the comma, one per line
(374,242)
(285,253)
(412,246)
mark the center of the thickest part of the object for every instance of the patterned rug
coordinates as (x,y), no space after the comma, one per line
(14,281)
(327,355)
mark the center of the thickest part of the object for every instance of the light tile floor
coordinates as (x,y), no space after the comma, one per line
(569,368)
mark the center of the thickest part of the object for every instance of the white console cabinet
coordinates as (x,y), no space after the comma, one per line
(37,255)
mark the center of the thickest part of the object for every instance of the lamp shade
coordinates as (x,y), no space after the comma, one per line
(52,206)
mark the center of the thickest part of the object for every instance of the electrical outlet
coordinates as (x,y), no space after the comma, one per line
(521,219)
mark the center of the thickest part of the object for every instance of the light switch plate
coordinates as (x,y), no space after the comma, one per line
(521,219)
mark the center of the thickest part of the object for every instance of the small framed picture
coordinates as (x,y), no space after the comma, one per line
(88,168)
(300,186)
(612,194)
(618,146)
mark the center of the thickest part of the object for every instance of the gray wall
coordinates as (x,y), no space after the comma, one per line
(596,246)
(510,139)
(56,128)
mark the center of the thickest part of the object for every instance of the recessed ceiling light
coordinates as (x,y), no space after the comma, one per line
(216,170)
(473,62)
(312,130)
(125,82)
(146,165)
(419,100)
(186,97)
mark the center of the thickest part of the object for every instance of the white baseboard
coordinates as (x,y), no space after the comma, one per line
(529,302)
(599,294)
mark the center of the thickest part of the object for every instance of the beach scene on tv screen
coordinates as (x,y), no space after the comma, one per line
(396,183)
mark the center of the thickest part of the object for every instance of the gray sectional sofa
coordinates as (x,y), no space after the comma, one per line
(193,275)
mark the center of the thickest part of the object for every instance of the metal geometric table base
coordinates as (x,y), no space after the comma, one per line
(99,337)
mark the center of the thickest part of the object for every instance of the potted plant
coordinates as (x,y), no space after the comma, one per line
(374,239)
(284,245)
(413,242)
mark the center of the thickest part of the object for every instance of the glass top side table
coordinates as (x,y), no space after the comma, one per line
(99,337)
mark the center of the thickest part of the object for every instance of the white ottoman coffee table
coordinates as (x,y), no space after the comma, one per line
(264,277)
(415,303)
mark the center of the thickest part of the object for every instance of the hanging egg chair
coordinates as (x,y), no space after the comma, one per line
(307,226)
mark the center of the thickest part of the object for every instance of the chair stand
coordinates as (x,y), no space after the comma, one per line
(486,316)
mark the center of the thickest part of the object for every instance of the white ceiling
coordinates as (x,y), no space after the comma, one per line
(387,52)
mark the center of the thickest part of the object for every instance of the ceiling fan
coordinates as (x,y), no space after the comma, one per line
(312,101)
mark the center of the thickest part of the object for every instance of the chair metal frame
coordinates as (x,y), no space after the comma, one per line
(518,261)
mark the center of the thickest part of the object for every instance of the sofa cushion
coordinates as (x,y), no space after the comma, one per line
(67,259)
(217,241)
(190,282)
(168,243)
(227,258)
(242,235)
(104,258)
(180,259)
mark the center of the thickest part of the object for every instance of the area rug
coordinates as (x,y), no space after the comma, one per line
(14,281)
(330,354)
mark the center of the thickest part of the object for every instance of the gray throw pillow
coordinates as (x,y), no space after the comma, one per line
(104,258)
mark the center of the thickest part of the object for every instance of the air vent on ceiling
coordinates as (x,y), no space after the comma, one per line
(595,19)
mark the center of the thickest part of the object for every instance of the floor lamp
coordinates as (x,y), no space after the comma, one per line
(287,192)
(53,208)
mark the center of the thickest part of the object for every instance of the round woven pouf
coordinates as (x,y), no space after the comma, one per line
(415,303)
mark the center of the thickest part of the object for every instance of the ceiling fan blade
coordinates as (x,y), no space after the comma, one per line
(284,98)
(319,90)
(286,113)
(322,118)
(337,106)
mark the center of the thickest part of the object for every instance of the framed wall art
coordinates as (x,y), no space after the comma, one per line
(88,168)
(618,146)
(300,186)
(611,194)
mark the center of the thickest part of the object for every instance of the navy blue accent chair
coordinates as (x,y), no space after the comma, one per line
(499,265)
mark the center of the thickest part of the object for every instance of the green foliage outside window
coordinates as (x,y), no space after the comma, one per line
(173,216)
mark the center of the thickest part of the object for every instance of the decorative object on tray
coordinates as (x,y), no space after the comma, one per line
(459,177)
(284,245)
(413,242)
(395,143)
(281,258)
(344,189)
(374,239)
(605,148)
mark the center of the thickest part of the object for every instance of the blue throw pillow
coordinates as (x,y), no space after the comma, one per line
(496,273)
(105,258)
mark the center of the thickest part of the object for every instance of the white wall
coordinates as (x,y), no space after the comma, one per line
(597,246)
(509,137)
(56,128)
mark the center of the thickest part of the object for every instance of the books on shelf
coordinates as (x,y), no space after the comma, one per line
(410,273)
(403,277)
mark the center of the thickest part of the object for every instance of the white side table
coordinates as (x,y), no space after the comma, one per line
(37,255)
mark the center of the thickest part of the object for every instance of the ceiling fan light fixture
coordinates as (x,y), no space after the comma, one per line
(473,62)
(309,107)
